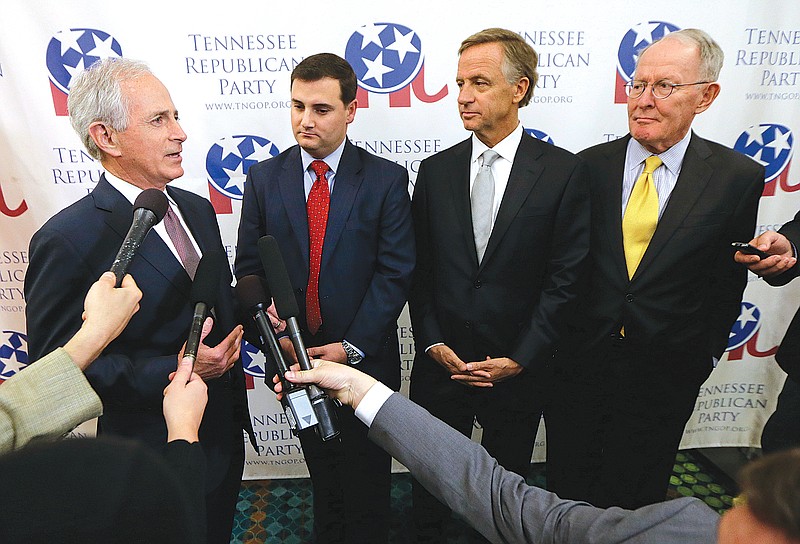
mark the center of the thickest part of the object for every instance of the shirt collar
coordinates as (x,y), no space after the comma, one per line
(672,158)
(130,191)
(331,160)
(506,148)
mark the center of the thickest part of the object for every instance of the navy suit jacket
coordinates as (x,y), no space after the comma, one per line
(367,256)
(515,302)
(70,252)
(687,290)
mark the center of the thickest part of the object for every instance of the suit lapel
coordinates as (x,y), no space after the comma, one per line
(348,180)
(608,199)
(458,183)
(153,249)
(695,175)
(525,173)
(293,196)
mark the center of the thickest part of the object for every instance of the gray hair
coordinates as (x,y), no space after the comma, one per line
(519,58)
(95,95)
(711,55)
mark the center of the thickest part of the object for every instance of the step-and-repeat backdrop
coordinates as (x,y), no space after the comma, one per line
(227,66)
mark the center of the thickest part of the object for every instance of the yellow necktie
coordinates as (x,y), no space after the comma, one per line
(641,216)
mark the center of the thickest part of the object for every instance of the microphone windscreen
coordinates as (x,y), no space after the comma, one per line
(205,286)
(251,291)
(153,200)
(277,278)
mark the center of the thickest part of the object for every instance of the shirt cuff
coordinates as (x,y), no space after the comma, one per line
(433,346)
(372,402)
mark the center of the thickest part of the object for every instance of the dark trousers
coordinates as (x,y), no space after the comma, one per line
(616,420)
(508,435)
(782,430)
(221,501)
(351,482)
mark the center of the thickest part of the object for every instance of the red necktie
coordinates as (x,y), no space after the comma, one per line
(317,208)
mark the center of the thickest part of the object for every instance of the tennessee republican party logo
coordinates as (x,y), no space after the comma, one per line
(770,145)
(388,59)
(634,40)
(744,334)
(539,135)
(227,163)
(71,51)
(13,353)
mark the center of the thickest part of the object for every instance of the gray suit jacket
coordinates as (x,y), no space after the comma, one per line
(499,503)
(45,400)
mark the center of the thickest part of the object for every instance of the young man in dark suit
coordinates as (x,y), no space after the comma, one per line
(342,220)
(502,230)
(663,290)
(126,119)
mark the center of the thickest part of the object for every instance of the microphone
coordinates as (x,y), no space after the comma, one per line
(253,295)
(286,305)
(205,288)
(149,208)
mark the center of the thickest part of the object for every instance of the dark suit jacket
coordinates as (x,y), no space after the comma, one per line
(515,302)
(788,355)
(503,508)
(69,253)
(686,292)
(367,257)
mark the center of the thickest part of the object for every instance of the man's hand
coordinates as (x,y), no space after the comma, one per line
(342,382)
(489,371)
(780,250)
(214,362)
(278,324)
(184,403)
(106,312)
(330,352)
(446,357)
(288,350)
(458,369)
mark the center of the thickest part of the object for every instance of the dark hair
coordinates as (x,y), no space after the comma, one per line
(771,490)
(322,65)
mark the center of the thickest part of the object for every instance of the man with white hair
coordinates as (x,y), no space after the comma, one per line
(663,290)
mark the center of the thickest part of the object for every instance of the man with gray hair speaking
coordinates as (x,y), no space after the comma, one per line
(126,119)
(663,290)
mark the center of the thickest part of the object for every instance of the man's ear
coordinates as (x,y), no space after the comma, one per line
(105,138)
(709,95)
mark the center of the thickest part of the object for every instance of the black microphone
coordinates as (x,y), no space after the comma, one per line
(149,208)
(286,306)
(205,288)
(253,294)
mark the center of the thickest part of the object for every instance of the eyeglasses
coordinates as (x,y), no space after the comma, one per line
(660,89)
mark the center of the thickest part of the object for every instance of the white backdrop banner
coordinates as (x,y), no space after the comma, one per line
(228,70)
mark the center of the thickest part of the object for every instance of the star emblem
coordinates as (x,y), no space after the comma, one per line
(756,134)
(780,141)
(402,44)
(376,69)
(371,34)
(644,33)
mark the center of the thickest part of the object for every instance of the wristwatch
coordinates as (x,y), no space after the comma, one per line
(353,356)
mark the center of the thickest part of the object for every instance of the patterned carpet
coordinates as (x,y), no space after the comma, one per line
(280,512)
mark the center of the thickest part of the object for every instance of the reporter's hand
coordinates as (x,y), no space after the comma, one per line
(342,382)
(185,401)
(106,312)
(781,256)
